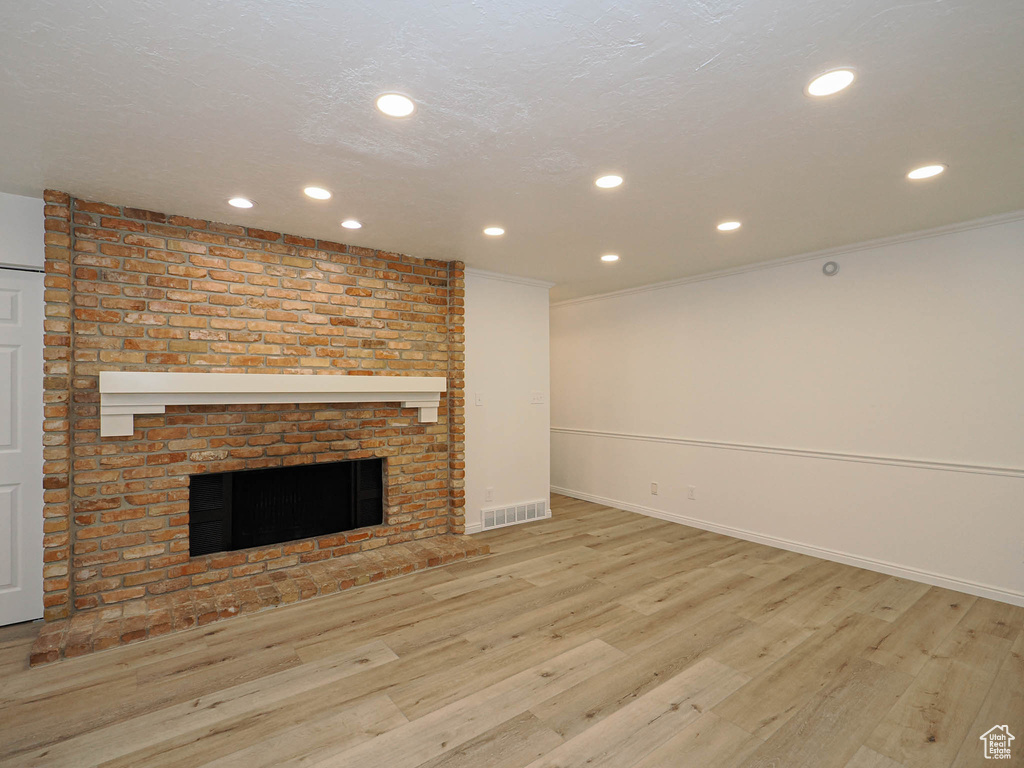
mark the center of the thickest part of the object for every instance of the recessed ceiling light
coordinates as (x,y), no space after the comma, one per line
(926,172)
(610,257)
(608,182)
(241,202)
(317,193)
(729,226)
(830,82)
(395,105)
(494,231)
(351,224)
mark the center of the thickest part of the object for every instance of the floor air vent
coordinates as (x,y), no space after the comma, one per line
(498,517)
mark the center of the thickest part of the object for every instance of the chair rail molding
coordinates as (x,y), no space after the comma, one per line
(897,461)
(123,394)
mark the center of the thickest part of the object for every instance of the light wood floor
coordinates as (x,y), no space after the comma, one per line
(598,638)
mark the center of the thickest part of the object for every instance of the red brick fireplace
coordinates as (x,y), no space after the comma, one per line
(134,290)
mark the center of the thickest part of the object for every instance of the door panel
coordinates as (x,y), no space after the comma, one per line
(21,455)
(8,305)
(7,535)
(8,388)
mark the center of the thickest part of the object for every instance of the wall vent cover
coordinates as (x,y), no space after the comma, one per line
(499,517)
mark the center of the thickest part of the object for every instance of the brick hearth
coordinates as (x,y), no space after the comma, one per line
(99,629)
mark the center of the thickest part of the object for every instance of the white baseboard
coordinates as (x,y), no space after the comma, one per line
(904,572)
(474,528)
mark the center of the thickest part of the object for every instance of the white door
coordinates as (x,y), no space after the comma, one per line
(21,445)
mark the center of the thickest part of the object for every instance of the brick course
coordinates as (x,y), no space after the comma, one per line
(123,623)
(128,289)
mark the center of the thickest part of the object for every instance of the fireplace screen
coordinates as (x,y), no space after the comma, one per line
(256,507)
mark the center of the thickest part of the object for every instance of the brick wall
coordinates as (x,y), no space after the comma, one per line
(128,289)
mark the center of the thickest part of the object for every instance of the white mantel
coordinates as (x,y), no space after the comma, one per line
(126,393)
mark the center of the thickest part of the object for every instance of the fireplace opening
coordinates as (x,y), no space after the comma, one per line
(256,507)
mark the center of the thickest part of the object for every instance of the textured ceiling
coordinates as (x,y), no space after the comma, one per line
(177,105)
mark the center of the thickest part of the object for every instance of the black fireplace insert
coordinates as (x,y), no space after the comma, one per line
(256,507)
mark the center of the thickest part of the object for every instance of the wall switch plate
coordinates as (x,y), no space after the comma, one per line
(693,492)
(536,398)
(479,400)
(654,489)
(489,494)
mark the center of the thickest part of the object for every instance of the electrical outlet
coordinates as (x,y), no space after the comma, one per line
(489,494)
(693,493)
(654,489)
(536,398)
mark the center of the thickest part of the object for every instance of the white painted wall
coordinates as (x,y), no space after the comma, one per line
(875,417)
(21,231)
(507,436)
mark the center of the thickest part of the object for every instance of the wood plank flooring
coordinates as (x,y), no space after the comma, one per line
(596,638)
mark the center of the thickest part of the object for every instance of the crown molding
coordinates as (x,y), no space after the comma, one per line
(924,234)
(500,276)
